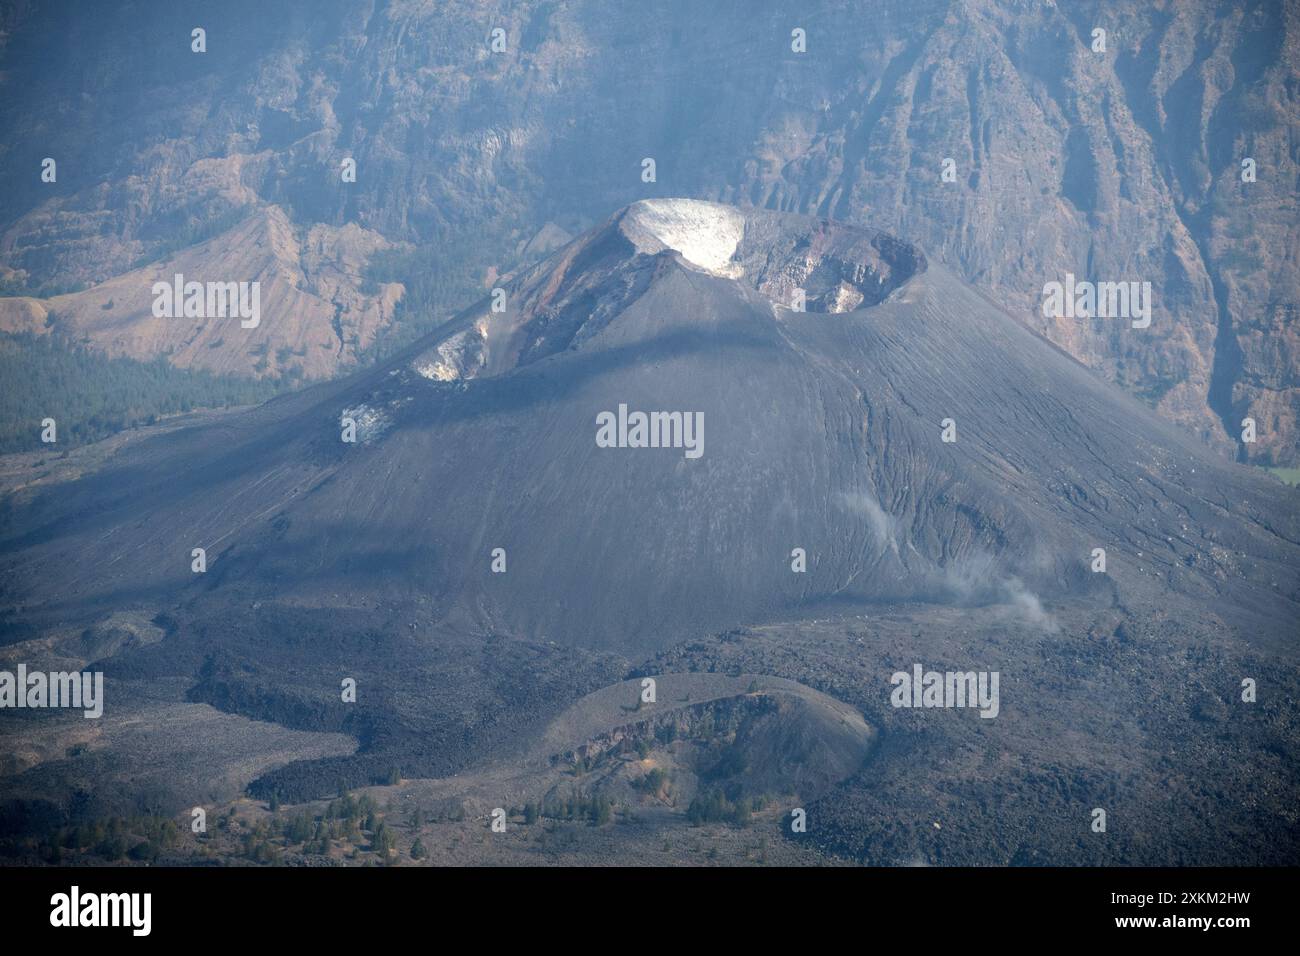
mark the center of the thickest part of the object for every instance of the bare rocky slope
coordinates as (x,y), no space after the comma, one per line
(1114,165)
(313,318)
(823,430)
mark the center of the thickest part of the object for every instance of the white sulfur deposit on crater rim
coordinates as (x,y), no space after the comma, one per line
(706,234)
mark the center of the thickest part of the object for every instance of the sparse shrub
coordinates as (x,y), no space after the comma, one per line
(111,848)
(384,843)
(145,851)
(654,781)
(601,811)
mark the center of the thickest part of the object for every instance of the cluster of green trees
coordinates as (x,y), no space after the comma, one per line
(383,841)
(191,232)
(316,834)
(300,828)
(443,811)
(90,396)
(596,810)
(114,839)
(715,807)
(347,819)
(439,282)
(258,846)
(654,781)
(352,809)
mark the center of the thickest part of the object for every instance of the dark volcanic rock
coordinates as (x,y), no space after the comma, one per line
(821,432)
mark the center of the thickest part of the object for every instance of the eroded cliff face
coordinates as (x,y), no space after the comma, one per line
(313,318)
(1114,165)
(1118,165)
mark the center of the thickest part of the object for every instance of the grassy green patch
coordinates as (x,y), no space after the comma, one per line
(1289,475)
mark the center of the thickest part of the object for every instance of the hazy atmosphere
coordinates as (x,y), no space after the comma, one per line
(669,434)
